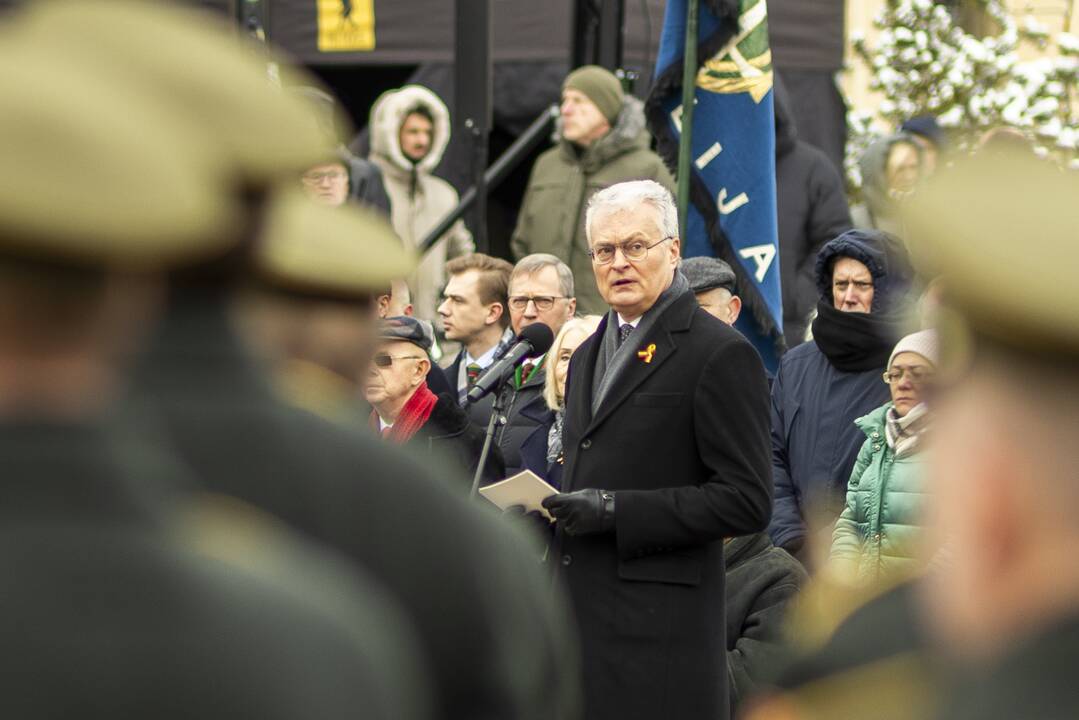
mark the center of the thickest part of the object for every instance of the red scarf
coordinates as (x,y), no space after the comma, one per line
(413,416)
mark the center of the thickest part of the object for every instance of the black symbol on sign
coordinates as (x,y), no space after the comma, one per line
(346,13)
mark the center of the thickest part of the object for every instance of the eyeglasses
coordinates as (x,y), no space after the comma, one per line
(543,302)
(918,375)
(603,253)
(316,178)
(386,360)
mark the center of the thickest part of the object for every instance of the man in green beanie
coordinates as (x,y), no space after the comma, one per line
(601,140)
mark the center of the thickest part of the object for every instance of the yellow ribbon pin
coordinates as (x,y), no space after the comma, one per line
(647,353)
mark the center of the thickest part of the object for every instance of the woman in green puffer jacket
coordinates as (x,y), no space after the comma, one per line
(880,529)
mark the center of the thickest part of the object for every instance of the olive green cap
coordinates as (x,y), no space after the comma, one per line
(88,177)
(344,252)
(1002,232)
(195,66)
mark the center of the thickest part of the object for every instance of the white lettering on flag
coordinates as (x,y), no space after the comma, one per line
(762,255)
(676,118)
(726,208)
(709,155)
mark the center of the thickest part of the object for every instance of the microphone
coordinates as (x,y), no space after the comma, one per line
(533,340)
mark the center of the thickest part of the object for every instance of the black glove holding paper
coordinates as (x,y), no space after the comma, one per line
(583,512)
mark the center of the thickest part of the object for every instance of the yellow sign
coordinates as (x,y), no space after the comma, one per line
(346,25)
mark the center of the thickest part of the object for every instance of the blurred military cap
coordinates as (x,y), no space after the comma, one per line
(344,252)
(409,329)
(708,273)
(192,64)
(1002,231)
(89,177)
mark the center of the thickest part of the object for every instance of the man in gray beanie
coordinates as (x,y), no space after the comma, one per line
(601,141)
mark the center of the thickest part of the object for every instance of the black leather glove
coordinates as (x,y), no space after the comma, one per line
(583,512)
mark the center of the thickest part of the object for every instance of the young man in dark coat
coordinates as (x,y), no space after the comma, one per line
(761,581)
(407,412)
(656,472)
(822,386)
(812,206)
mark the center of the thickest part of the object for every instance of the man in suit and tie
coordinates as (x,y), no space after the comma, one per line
(667,453)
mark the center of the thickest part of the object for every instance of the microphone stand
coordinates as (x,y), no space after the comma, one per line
(496,414)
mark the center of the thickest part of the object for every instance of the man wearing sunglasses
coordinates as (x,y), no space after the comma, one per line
(407,412)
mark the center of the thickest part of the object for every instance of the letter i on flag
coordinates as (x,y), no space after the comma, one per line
(732,176)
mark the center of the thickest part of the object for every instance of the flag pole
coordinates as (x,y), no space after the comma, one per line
(685,139)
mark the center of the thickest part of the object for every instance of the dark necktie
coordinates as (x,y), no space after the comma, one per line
(526,371)
(624,332)
(472,372)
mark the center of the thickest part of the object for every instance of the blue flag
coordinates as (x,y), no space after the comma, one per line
(732,212)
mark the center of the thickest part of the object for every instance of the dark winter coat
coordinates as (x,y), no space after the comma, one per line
(812,207)
(388,514)
(761,580)
(534,456)
(551,219)
(526,414)
(115,605)
(682,441)
(365,185)
(449,436)
(814,405)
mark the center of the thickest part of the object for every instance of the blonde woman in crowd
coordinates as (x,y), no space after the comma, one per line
(542,453)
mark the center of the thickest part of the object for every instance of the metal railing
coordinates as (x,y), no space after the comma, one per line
(496,173)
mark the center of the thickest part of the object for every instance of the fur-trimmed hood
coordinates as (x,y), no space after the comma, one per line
(628,133)
(390,110)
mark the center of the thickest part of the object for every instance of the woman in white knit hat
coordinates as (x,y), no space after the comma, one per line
(878,533)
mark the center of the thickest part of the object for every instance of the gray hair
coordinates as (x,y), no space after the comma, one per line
(627,195)
(531,264)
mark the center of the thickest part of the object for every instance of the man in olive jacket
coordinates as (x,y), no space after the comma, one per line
(601,141)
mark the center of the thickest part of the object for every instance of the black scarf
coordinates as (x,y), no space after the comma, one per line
(855,342)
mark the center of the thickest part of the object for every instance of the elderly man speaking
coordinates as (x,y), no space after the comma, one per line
(666,453)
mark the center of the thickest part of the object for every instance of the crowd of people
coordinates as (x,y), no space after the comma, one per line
(238,423)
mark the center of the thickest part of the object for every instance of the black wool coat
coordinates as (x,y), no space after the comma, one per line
(449,436)
(811,202)
(526,414)
(682,441)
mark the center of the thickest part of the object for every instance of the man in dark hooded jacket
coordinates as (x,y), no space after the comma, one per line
(812,208)
(824,385)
